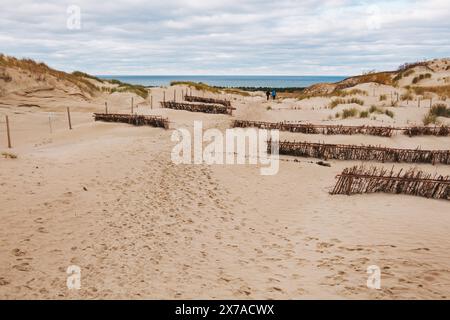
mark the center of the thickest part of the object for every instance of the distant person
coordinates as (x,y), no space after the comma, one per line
(274,94)
(268,95)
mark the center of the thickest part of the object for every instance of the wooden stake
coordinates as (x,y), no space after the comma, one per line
(50,122)
(431,102)
(7,132)
(151,102)
(418,102)
(68,116)
(164,96)
(175,95)
(106,107)
(132,105)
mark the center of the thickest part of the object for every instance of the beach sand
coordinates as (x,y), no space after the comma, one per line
(107,197)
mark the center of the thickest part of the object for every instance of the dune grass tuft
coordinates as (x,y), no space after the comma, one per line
(9,155)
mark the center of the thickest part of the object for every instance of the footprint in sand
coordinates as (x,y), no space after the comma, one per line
(18,253)
(23,267)
(4,282)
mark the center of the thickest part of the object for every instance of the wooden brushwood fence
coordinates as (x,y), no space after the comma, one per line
(356,180)
(364,153)
(197,107)
(137,120)
(225,103)
(427,131)
(382,131)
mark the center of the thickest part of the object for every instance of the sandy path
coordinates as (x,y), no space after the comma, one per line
(145,228)
(106,197)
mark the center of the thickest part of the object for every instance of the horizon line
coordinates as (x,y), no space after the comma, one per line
(216,75)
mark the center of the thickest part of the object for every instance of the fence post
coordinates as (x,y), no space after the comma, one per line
(132,105)
(431,102)
(164,96)
(174,95)
(418,102)
(68,116)
(50,122)
(151,102)
(7,132)
(106,107)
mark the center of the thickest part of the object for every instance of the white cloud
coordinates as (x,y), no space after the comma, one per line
(227,37)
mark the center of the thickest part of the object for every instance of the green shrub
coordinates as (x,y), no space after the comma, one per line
(440,110)
(375,109)
(437,110)
(333,104)
(389,113)
(364,114)
(349,113)
(339,101)
(421,77)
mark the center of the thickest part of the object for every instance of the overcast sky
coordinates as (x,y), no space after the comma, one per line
(178,37)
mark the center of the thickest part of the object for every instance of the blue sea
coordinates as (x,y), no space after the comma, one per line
(230,81)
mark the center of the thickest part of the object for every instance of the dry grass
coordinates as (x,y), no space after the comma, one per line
(364,114)
(421,77)
(5,76)
(437,110)
(337,102)
(377,77)
(407,96)
(126,87)
(403,74)
(41,71)
(441,91)
(236,91)
(348,113)
(200,86)
(85,75)
(378,110)
(336,93)
(196,85)
(9,155)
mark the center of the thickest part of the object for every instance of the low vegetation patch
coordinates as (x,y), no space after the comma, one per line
(403,74)
(236,91)
(196,85)
(389,113)
(353,92)
(364,114)
(5,76)
(333,104)
(127,87)
(85,75)
(421,77)
(437,110)
(348,113)
(407,96)
(441,91)
(378,110)
(9,155)
(41,71)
